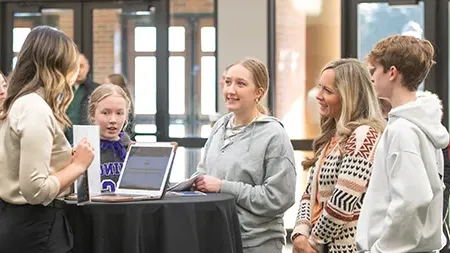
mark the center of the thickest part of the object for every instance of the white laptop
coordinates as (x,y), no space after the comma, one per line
(146,171)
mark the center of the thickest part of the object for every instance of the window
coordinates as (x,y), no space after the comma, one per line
(145,85)
(208,39)
(192,75)
(145,39)
(177,66)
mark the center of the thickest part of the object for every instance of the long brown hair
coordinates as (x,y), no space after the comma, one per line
(360,106)
(119,80)
(49,60)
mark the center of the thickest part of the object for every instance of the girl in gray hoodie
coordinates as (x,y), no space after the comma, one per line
(249,155)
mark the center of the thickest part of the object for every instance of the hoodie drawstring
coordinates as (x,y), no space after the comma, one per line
(251,136)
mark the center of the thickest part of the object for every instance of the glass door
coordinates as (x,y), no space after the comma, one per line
(165,49)
(365,22)
(21,18)
(124,41)
(192,82)
(379,20)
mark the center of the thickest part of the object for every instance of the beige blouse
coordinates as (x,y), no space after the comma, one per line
(32,148)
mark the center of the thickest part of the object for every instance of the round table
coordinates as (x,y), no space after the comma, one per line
(175,224)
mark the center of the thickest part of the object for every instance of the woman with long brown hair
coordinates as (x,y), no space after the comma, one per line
(37,167)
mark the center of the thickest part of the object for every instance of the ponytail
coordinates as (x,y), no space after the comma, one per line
(262,109)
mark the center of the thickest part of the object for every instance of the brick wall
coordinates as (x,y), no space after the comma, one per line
(63,18)
(191,6)
(106,22)
(65,21)
(303,44)
(290,67)
(323,43)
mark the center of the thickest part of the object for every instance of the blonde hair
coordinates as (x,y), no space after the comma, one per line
(360,106)
(49,60)
(103,91)
(260,77)
(120,80)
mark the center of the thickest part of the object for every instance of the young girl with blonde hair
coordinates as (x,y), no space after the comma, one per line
(249,155)
(121,81)
(108,108)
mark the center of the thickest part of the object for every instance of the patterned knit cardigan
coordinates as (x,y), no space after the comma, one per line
(342,185)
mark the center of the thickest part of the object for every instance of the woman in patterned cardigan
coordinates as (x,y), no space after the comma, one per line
(351,122)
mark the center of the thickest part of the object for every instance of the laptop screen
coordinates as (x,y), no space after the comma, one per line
(145,168)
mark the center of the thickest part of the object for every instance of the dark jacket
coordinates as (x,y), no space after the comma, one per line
(84,115)
(129,128)
(89,86)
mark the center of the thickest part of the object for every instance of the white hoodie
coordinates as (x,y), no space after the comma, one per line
(402,210)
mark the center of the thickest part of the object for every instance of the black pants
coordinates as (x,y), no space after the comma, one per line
(34,229)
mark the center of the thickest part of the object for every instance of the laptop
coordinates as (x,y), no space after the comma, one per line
(145,174)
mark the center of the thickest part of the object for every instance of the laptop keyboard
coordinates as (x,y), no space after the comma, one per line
(113,194)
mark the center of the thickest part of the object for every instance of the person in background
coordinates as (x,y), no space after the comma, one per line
(37,167)
(109,107)
(120,81)
(82,90)
(250,156)
(351,123)
(3,88)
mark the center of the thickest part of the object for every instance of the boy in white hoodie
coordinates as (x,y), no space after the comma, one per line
(402,209)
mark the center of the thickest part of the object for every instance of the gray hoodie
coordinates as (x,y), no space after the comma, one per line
(257,167)
(402,210)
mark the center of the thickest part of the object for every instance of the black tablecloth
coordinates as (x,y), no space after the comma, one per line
(188,224)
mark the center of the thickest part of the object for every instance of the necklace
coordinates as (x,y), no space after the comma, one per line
(243,125)
(233,130)
(236,129)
